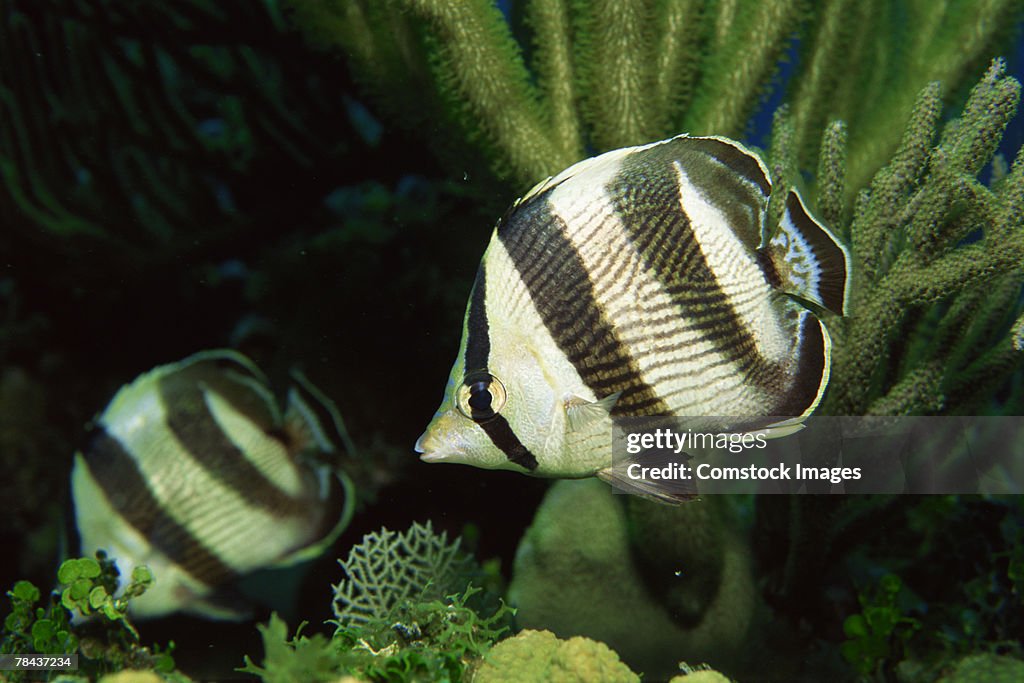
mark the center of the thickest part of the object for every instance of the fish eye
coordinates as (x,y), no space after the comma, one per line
(481,396)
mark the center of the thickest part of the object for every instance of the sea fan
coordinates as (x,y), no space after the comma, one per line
(389,569)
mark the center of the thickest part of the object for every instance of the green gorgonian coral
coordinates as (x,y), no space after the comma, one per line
(389,569)
(939,261)
(591,76)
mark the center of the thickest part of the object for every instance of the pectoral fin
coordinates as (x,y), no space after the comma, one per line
(580,412)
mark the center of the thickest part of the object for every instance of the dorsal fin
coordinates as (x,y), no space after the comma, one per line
(576,169)
(808,260)
(312,418)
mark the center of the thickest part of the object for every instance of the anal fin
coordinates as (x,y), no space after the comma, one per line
(656,492)
(783,428)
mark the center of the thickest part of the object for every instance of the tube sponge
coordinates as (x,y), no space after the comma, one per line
(579,571)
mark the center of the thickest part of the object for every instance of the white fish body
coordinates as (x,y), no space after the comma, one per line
(193,472)
(641,282)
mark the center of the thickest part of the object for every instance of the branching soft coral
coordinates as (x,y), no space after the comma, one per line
(939,263)
(600,75)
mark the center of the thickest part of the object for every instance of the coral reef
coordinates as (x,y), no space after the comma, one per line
(938,255)
(216,157)
(939,266)
(429,641)
(939,263)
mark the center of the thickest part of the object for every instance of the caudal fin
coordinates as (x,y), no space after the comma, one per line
(808,259)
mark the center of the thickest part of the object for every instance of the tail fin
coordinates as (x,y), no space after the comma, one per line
(808,259)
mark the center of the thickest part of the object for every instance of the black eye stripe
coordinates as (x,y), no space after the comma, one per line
(480,398)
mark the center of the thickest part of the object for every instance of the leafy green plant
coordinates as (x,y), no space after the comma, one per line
(301,658)
(985,612)
(880,632)
(91,591)
(106,640)
(32,629)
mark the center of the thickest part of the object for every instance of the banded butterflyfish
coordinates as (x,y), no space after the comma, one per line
(194,471)
(641,282)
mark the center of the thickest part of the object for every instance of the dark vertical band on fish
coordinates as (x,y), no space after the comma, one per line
(478,350)
(478,337)
(200,434)
(563,293)
(740,161)
(118,475)
(658,227)
(810,373)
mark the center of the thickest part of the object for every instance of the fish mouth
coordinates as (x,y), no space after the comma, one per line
(440,456)
(428,454)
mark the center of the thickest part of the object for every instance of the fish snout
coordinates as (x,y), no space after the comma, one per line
(430,447)
(439,443)
(423,447)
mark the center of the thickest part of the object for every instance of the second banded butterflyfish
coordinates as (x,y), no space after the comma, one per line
(642,282)
(194,471)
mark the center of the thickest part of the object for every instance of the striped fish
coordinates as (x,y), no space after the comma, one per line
(193,471)
(642,282)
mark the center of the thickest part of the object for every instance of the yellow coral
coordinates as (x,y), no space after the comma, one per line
(706,676)
(132,676)
(987,668)
(540,657)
